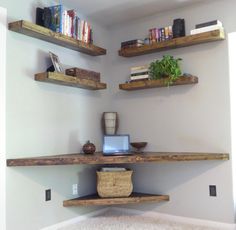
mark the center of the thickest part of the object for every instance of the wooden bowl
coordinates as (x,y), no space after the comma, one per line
(138,145)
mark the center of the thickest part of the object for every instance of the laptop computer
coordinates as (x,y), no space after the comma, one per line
(116,145)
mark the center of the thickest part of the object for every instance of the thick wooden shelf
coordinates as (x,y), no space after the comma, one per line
(42,33)
(189,40)
(134,198)
(99,158)
(61,79)
(147,84)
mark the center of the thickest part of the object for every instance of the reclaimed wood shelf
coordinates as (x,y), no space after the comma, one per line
(134,198)
(45,34)
(147,84)
(215,35)
(61,79)
(99,158)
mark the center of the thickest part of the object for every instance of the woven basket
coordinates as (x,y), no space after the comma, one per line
(114,184)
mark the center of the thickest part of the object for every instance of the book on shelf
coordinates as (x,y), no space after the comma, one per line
(72,23)
(68,23)
(160,34)
(141,67)
(56,21)
(206,29)
(142,72)
(210,23)
(132,42)
(139,77)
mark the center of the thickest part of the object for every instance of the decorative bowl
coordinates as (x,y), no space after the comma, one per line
(138,145)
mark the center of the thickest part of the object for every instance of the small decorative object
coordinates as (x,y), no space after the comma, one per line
(138,146)
(83,74)
(168,68)
(114,184)
(89,148)
(178,28)
(110,123)
(56,63)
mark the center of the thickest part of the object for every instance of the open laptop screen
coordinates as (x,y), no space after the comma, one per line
(116,143)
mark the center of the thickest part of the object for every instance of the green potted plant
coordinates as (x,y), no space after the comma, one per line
(168,67)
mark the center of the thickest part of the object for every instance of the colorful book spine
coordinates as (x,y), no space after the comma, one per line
(56,18)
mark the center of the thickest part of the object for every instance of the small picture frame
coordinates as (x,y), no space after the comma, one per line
(56,63)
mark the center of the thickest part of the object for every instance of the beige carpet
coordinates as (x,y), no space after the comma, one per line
(117,220)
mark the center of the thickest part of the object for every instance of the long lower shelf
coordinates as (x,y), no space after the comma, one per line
(99,158)
(134,198)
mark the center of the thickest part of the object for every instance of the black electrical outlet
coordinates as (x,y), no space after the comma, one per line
(47,194)
(212,190)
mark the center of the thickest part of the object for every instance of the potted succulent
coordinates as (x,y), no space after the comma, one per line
(168,67)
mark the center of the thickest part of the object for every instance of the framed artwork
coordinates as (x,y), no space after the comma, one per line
(56,63)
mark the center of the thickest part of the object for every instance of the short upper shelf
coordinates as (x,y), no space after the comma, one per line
(42,33)
(147,84)
(99,158)
(134,198)
(189,40)
(61,79)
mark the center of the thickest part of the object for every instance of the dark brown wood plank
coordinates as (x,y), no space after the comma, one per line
(189,40)
(61,79)
(147,84)
(99,158)
(42,33)
(134,198)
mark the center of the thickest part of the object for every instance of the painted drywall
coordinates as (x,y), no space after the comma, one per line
(3,20)
(232,71)
(44,119)
(194,118)
(47,119)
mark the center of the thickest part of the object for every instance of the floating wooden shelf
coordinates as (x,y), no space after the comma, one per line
(134,198)
(99,158)
(42,33)
(146,84)
(61,79)
(189,40)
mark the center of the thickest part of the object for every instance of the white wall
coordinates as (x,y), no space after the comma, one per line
(47,119)
(3,19)
(232,57)
(194,118)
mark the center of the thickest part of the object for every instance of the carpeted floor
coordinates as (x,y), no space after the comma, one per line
(116,220)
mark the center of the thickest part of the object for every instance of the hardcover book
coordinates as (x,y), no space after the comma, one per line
(141,67)
(205,29)
(210,23)
(56,18)
(139,77)
(132,42)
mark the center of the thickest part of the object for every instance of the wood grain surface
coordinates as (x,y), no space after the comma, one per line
(134,198)
(215,35)
(42,33)
(99,158)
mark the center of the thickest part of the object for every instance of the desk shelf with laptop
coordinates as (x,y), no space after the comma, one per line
(100,159)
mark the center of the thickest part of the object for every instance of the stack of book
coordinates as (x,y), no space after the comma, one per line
(132,43)
(68,23)
(139,73)
(160,34)
(207,26)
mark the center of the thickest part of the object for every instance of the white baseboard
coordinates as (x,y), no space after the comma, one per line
(179,219)
(76,219)
(167,217)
